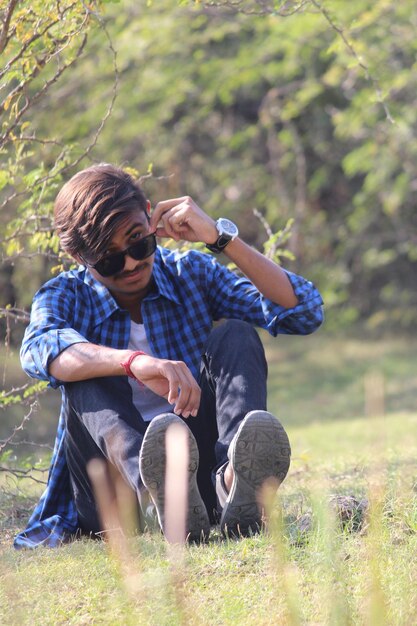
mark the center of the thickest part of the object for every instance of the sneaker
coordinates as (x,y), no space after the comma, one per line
(152,463)
(259,450)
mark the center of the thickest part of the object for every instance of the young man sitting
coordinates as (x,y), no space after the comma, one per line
(128,337)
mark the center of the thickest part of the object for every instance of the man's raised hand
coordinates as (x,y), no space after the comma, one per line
(182,218)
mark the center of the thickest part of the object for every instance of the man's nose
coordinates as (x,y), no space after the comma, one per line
(130,262)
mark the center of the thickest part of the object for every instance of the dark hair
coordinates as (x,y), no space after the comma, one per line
(91,206)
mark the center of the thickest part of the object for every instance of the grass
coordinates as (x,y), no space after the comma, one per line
(317,378)
(315,566)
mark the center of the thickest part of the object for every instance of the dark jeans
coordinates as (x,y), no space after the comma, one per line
(104,423)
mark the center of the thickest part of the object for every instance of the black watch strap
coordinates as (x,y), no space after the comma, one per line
(219,245)
(227,231)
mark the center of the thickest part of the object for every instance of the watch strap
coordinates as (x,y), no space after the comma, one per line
(219,245)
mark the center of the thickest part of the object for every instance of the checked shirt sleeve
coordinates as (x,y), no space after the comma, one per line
(49,331)
(236,297)
(54,519)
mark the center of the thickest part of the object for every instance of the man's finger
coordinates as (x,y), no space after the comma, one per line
(189,391)
(193,401)
(169,225)
(185,388)
(161,232)
(162,207)
(173,393)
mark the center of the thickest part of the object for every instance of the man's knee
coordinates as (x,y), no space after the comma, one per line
(236,334)
(97,394)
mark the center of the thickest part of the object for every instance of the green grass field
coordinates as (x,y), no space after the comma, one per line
(318,564)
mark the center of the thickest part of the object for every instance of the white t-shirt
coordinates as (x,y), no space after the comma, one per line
(148,403)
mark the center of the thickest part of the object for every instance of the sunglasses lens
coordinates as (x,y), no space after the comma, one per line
(114,263)
(111,264)
(144,248)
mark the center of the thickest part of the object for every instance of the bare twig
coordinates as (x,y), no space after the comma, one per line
(300,200)
(14,313)
(274,247)
(34,444)
(30,255)
(18,428)
(260,7)
(369,77)
(263,221)
(4,38)
(6,394)
(28,473)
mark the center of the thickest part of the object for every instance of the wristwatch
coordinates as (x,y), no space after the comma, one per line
(227,231)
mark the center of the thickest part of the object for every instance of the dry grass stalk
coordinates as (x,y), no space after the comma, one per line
(286,573)
(176,484)
(117,508)
(176,507)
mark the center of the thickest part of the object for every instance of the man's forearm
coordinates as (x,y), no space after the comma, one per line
(170,379)
(268,277)
(83,361)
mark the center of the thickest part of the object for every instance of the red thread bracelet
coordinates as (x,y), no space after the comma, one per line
(126,364)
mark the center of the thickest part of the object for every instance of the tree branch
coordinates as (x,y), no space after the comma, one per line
(369,77)
(4,38)
(38,94)
(18,428)
(265,7)
(17,314)
(18,473)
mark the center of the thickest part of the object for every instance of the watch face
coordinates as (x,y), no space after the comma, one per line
(227,227)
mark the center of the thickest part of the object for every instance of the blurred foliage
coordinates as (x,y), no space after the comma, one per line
(296,118)
(40,43)
(263,111)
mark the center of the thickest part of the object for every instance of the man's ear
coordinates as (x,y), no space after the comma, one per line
(148,208)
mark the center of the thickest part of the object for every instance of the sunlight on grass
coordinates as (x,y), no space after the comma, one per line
(315,566)
(342,531)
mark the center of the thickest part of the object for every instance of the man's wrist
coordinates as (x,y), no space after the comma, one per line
(227,231)
(127,363)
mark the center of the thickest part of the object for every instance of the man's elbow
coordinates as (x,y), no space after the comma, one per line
(314,321)
(31,363)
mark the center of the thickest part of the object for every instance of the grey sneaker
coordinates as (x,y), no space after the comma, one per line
(152,463)
(259,450)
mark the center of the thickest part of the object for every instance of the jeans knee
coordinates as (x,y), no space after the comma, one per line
(97,393)
(235,339)
(236,333)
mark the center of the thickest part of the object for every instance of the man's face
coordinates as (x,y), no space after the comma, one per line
(134,279)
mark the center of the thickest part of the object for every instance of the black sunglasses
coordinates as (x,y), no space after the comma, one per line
(114,263)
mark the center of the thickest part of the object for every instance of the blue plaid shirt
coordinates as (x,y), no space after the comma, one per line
(190,290)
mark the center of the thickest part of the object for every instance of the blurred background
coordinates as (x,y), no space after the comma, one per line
(291,118)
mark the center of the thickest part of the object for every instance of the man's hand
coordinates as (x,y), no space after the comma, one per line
(181,218)
(171,380)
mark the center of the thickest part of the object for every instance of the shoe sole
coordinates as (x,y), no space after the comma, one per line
(261,451)
(152,465)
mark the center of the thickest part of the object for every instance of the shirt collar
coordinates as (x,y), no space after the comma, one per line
(108,304)
(162,283)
